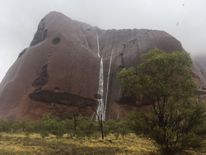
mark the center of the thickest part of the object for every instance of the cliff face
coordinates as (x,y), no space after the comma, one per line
(59,72)
(199,69)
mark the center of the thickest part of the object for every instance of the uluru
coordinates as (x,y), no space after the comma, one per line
(71,67)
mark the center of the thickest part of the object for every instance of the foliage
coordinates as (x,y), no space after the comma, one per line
(165,79)
(84,127)
(117,127)
(160,74)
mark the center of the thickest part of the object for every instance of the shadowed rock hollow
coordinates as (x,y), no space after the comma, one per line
(59,72)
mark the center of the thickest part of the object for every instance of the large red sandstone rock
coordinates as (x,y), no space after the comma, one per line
(59,72)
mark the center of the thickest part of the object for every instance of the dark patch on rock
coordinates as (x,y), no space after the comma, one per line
(61,98)
(122,65)
(56,40)
(127,100)
(20,54)
(43,77)
(56,89)
(97,96)
(41,33)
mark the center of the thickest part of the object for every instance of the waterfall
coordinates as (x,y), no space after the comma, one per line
(100,109)
(108,81)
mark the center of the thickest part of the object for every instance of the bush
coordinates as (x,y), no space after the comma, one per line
(83,127)
(117,127)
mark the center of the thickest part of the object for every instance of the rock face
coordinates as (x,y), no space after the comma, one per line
(199,69)
(59,72)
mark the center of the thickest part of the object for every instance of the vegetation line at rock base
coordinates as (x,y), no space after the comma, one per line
(56,136)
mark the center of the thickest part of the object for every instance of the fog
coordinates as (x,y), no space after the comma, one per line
(184,19)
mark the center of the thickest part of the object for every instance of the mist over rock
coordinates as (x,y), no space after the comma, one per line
(59,72)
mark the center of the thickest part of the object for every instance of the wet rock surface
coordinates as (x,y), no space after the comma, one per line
(61,98)
(43,77)
(199,71)
(41,33)
(62,65)
(22,53)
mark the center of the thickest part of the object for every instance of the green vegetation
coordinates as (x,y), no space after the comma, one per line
(177,120)
(78,127)
(56,136)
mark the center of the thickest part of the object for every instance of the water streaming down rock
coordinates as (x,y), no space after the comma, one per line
(108,81)
(100,109)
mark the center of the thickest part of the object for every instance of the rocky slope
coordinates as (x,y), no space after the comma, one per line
(59,72)
(199,67)
(199,62)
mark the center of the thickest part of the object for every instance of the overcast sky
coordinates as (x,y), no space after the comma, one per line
(184,19)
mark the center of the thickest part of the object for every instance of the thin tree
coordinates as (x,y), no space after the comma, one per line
(101,125)
(75,118)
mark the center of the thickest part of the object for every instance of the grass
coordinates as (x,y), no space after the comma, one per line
(23,144)
(34,144)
